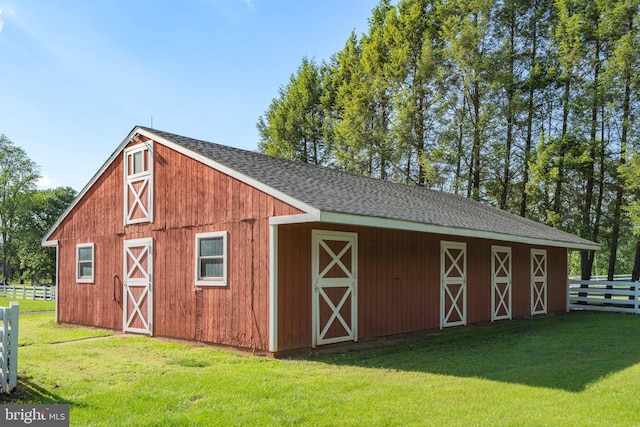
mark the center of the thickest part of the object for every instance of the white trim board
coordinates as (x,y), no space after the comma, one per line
(342,218)
(396,224)
(273,288)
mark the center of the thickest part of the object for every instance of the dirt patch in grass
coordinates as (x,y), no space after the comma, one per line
(17,395)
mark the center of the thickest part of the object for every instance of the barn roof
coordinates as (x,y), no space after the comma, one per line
(330,195)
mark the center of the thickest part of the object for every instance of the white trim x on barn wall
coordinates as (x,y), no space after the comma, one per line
(138,183)
(334,260)
(137,307)
(538,281)
(500,282)
(453,284)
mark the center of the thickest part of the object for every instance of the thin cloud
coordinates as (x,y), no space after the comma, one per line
(44,183)
(249,4)
(8,12)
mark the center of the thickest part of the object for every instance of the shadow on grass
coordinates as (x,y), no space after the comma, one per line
(27,391)
(565,352)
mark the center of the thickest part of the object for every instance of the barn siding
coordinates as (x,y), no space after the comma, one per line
(399,271)
(189,198)
(399,281)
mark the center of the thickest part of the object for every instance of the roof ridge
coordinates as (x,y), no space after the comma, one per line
(330,189)
(379,181)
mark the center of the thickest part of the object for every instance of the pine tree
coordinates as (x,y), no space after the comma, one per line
(410,34)
(465,33)
(292,127)
(620,24)
(362,134)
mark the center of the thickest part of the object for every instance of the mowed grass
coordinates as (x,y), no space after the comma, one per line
(41,329)
(28,305)
(577,369)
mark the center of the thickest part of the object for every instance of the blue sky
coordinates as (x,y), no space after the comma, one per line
(76,76)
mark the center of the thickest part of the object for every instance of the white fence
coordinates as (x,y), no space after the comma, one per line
(28,292)
(603,295)
(617,277)
(9,347)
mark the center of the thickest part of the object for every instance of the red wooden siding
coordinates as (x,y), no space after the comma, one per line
(399,281)
(189,198)
(398,271)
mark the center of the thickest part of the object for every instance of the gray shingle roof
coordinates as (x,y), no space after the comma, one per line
(330,190)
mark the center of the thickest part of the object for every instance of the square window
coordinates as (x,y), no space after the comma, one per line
(211,259)
(84,263)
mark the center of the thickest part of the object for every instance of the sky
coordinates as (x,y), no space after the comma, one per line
(76,76)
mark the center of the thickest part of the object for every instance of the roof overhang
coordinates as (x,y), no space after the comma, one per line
(395,224)
(50,243)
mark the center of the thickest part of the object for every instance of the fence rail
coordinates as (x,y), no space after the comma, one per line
(9,347)
(29,292)
(604,277)
(603,295)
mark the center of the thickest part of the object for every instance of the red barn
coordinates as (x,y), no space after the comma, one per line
(183,238)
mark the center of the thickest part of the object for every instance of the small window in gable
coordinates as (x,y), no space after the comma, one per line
(138,187)
(211,259)
(85,263)
(138,165)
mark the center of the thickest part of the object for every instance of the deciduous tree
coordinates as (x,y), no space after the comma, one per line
(44,207)
(18,176)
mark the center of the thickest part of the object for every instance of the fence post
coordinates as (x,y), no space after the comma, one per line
(14,309)
(635,300)
(9,318)
(4,314)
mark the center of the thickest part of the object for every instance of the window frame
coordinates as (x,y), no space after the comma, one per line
(216,281)
(86,279)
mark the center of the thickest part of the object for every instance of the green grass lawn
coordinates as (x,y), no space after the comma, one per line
(29,305)
(578,369)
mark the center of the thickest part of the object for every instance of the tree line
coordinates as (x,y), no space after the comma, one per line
(528,105)
(26,215)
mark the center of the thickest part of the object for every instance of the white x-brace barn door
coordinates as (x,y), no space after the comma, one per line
(138,286)
(538,281)
(500,283)
(138,188)
(334,258)
(453,284)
